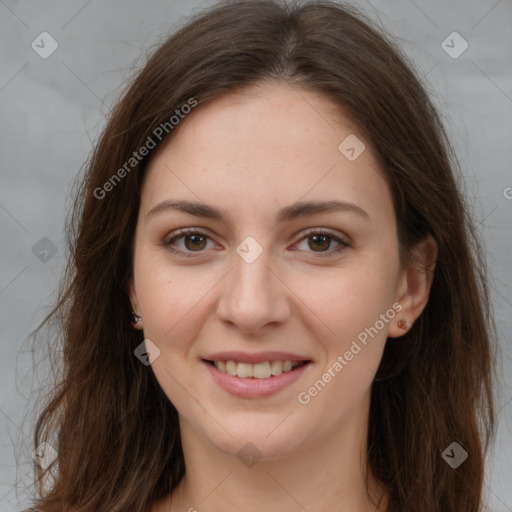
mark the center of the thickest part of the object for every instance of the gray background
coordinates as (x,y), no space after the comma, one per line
(53,109)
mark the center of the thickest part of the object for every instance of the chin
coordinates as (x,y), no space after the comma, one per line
(265,437)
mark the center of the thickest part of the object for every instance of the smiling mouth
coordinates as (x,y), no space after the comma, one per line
(263,370)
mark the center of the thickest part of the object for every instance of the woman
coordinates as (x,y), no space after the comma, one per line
(275,299)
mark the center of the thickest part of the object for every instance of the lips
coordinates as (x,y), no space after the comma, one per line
(255,375)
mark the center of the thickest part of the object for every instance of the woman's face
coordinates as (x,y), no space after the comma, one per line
(263,277)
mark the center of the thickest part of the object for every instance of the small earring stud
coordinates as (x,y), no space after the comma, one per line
(136,318)
(402,324)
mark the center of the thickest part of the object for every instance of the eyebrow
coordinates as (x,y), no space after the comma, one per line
(293,211)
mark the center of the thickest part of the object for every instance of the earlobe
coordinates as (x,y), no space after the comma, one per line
(415,284)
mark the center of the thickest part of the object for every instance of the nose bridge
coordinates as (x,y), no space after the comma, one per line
(252,296)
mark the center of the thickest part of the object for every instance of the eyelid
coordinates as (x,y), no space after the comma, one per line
(326,231)
(179,233)
(186,231)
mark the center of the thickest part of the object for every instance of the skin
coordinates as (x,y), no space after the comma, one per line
(252,153)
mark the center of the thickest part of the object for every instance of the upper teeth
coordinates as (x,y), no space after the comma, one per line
(258,371)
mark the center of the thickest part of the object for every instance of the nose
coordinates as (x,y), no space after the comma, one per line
(253,296)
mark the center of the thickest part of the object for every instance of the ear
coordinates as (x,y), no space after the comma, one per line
(135,303)
(414,285)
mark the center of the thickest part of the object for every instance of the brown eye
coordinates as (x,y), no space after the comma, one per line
(320,242)
(187,241)
(196,242)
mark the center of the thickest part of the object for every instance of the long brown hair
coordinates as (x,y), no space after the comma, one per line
(116,433)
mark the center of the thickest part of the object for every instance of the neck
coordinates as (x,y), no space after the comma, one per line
(325,474)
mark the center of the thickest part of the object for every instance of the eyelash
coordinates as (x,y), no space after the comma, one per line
(181,233)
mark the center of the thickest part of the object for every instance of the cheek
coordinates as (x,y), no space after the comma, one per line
(354,310)
(173,305)
(356,305)
(348,300)
(169,299)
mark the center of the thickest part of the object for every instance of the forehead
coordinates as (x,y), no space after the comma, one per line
(266,116)
(263,148)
